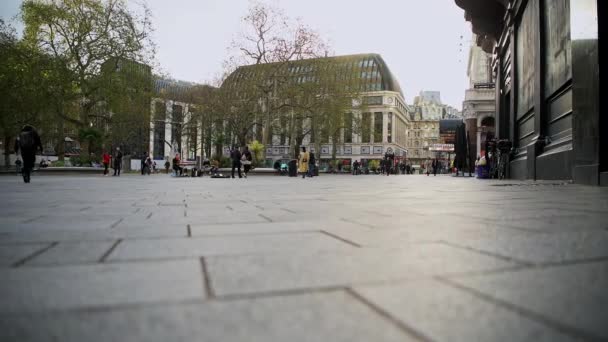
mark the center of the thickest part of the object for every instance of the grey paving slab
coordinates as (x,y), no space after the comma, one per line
(333,316)
(261,240)
(80,252)
(541,248)
(298,243)
(10,254)
(266,273)
(445,313)
(574,296)
(39,289)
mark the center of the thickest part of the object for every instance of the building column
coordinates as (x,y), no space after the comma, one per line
(586,121)
(478,142)
(384,127)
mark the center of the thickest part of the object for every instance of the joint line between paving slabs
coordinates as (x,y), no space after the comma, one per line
(265,217)
(32,219)
(386,315)
(209,293)
(354,244)
(357,223)
(110,250)
(549,322)
(149,215)
(490,254)
(116,223)
(35,254)
(279,293)
(189,230)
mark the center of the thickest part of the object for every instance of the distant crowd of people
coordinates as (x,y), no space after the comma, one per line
(241,159)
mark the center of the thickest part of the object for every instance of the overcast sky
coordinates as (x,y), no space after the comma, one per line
(424,42)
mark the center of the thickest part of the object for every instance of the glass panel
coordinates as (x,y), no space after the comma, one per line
(378,121)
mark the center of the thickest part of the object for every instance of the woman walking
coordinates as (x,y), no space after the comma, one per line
(303,162)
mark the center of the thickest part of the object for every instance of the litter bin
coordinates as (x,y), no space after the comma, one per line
(293,168)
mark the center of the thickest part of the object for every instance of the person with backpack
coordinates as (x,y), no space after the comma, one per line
(28,142)
(117,162)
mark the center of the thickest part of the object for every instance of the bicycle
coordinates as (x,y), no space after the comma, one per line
(499,152)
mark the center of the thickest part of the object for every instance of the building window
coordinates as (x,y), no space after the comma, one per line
(159,130)
(378,127)
(390,128)
(366,128)
(348,128)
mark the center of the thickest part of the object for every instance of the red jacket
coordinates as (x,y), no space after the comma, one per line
(106,158)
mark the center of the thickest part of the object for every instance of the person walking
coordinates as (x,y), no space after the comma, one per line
(28,142)
(117,162)
(144,156)
(435,165)
(303,159)
(106,162)
(246,160)
(235,155)
(312,162)
(176,166)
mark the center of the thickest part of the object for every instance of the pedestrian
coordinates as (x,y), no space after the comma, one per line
(312,162)
(356,167)
(435,165)
(144,158)
(176,165)
(387,164)
(246,160)
(235,155)
(28,142)
(167,165)
(117,162)
(303,159)
(106,162)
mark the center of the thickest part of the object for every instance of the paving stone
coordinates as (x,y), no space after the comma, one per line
(72,253)
(224,245)
(444,313)
(541,248)
(265,273)
(10,254)
(572,295)
(333,316)
(39,289)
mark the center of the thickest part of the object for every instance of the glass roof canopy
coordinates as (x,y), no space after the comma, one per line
(368,71)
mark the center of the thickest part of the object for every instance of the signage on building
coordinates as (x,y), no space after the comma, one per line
(441,148)
(447,130)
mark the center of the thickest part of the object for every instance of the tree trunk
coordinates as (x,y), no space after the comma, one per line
(9,145)
(60,140)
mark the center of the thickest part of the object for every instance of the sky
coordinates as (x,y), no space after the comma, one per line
(424,42)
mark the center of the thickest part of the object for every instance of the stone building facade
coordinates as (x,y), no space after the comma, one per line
(479,107)
(547,57)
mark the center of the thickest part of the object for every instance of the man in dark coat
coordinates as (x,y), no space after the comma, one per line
(117,162)
(28,143)
(235,155)
(435,165)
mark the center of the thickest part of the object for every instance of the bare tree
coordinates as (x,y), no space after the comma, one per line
(269,37)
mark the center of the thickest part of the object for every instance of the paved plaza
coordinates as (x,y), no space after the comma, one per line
(334,258)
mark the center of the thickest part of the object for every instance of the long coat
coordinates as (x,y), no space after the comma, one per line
(303,162)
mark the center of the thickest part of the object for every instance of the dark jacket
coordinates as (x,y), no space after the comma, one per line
(28,133)
(235,155)
(311,159)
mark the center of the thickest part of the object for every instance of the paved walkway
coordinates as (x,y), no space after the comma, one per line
(335,258)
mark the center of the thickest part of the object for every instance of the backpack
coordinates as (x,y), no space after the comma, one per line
(26,140)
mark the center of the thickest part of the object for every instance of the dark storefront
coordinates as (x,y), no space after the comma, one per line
(548,84)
